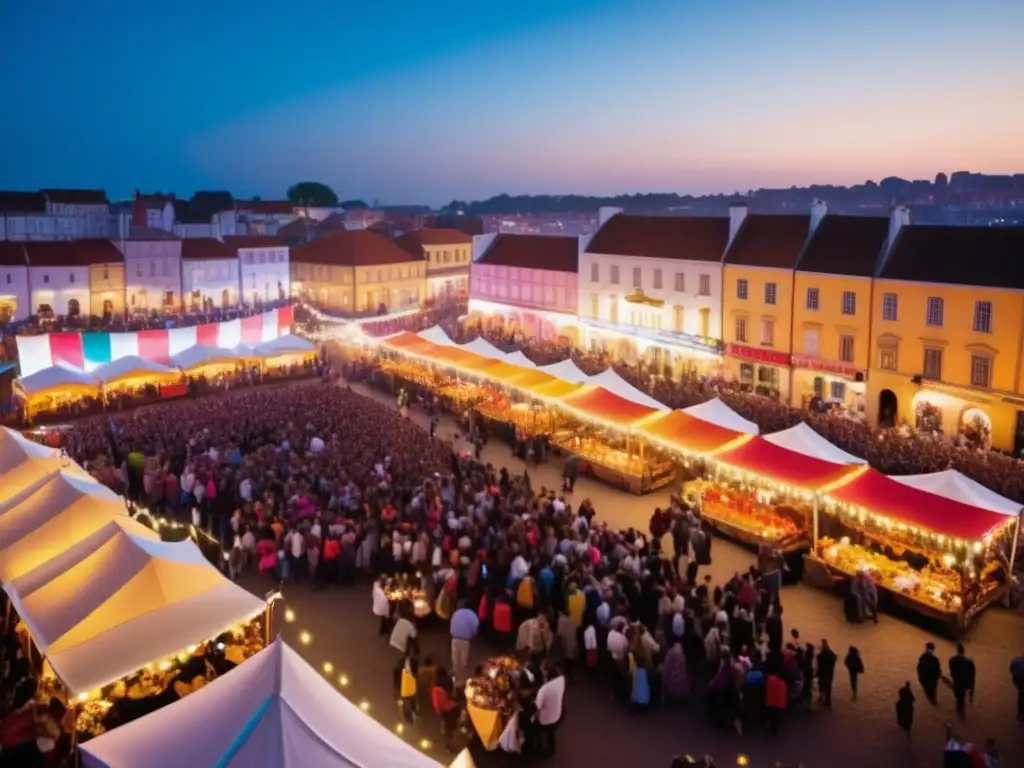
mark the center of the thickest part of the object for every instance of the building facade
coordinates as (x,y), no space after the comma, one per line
(447,253)
(947,331)
(264,268)
(152,265)
(15,301)
(55,214)
(209,274)
(263,217)
(526,283)
(650,288)
(58,275)
(153,212)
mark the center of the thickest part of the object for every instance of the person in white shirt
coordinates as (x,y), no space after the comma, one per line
(617,644)
(381,606)
(402,634)
(549,711)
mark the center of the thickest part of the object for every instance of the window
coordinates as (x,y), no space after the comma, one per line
(933,315)
(595,273)
(811,342)
(887,357)
(981,370)
(595,308)
(741,289)
(71,277)
(152,269)
(106,273)
(768,333)
(983,316)
(741,330)
(838,389)
(680,281)
(846,348)
(615,276)
(8,278)
(678,319)
(812,299)
(849,303)
(770,291)
(638,277)
(138,270)
(932,363)
(46,279)
(657,279)
(613,307)
(704,331)
(890,307)
(705,285)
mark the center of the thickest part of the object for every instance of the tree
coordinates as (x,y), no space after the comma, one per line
(312,193)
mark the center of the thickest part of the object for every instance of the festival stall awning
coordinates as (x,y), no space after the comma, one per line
(24,464)
(530,379)
(437,335)
(884,496)
(721,414)
(484,348)
(518,358)
(483,365)
(506,372)
(61,512)
(108,605)
(59,378)
(555,389)
(403,340)
(283,345)
(781,465)
(452,355)
(133,367)
(599,403)
(951,484)
(566,370)
(806,441)
(273,711)
(610,380)
(689,433)
(200,355)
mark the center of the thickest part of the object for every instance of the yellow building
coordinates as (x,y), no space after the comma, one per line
(448,253)
(357,272)
(832,311)
(757,300)
(106,288)
(947,330)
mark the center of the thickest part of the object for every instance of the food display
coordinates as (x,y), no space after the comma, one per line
(750,518)
(492,698)
(401,589)
(630,471)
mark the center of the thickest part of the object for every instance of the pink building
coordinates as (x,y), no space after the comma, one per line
(528,282)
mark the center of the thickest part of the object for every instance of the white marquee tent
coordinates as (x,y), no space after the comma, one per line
(64,377)
(484,348)
(200,354)
(272,711)
(284,345)
(119,599)
(24,464)
(802,439)
(717,412)
(953,485)
(566,370)
(435,334)
(131,365)
(610,380)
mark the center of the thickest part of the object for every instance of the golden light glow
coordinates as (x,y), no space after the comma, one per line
(305,638)
(83,697)
(742,760)
(399,729)
(165,665)
(289,615)
(364,705)
(343,681)
(425,744)
(328,667)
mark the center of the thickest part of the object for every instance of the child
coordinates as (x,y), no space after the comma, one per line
(407,692)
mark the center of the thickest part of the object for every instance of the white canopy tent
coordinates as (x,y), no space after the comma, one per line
(24,464)
(200,354)
(64,510)
(566,370)
(272,711)
(953,485)
(131,365)
(484,348)
(57,377)
(717,412)
(283,345)
(119,599)
(518,358)
(802,439)
(435,334)
(617,385)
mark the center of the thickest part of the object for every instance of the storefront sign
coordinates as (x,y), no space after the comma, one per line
(825,366)
(691,340)
(757,355)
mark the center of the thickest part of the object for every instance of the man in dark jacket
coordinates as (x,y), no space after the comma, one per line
(929,672)
(1017,673)
(826,673)
(962,673)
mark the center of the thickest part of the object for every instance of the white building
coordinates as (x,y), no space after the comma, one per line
(152,270)
(651,286)
(14,296)
(219,225)
(263,217)
(55,214)
(58,278)
(264,267)
(153,212)
(209,274)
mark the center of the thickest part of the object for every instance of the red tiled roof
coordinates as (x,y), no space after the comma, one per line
(76,196)
(769,240)
(355,248)
(333,223)
(556,253)
(413,242)
(22,202)
(692,238)
(12,254)
(265,206)
(255,241)
(845,245)
(992,257)
(299,228)
(205,249)
(72,253)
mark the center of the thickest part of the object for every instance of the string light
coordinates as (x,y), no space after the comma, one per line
(399,729)
(343,681)
(289,615)
(742,760)
(328,667)
(364,705)
(425,744)
(305,638)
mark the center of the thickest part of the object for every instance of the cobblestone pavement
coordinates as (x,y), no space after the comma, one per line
(598,732)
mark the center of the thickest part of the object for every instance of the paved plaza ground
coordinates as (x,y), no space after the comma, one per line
(599,733)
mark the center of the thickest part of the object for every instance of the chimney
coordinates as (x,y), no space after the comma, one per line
(604,213)
(898,218)
(818,211)
(737,213)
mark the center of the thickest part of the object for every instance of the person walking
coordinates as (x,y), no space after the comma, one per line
(1017,675)
(464,626)
(381,607)
(855,666)
(905,708)
(929,673)
(962,673)
(775,695)
(826,673)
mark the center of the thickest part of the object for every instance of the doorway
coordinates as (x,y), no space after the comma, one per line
(888,408)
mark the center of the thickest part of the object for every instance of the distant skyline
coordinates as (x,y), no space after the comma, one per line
(429,102)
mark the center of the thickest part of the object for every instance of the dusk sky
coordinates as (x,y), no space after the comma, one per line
(413,101)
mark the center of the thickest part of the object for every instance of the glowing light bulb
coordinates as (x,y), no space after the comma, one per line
(165,665)
(425,744)
(289,615)
(399,729)
(343,681)
(742,760)
(220,646)
(83,697)
(364,705)
(328,667)
(305,638)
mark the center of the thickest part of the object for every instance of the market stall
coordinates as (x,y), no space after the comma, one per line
(492,698)
(402,589)
(24,464)
(610,380)
(690,435)
(436,335)
(566,370)
(804,440)
(933,554)
(721,414)
(49,388)
(206,361)
(128,374)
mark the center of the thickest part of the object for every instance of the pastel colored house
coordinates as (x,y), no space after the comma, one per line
(448,253)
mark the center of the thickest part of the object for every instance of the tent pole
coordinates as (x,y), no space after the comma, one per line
(814,544)
(1013,556)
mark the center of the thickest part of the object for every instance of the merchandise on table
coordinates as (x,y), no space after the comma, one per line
(600,452)
(496,687)
(403,590)
(752,518)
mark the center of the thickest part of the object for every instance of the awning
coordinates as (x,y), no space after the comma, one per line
(611,381)
(25,464)
(721,414)
(689,433)
(529,380)
(61,378)
(132,367)
(884,496)
(951,484)
(760,457)
(283,345)
(566,370)
(599,403)
(201,355)
(518,358)
(480,346)
(556,389)
(402,340)
(435,334)
(506,372)
(805,440)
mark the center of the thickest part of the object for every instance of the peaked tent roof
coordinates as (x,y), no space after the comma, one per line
(282,344)
(273,711)
(607,406)
(518,358)
(566,370)
(610,380)
(200,354)
(802,439)
(119,599)
(435,334)
(24,464)
(58,376)
(484,348)
(721,414)
(690,433)
(130,367)
(951,484)
(785,466)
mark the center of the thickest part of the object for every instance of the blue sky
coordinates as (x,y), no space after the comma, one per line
(425,102)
